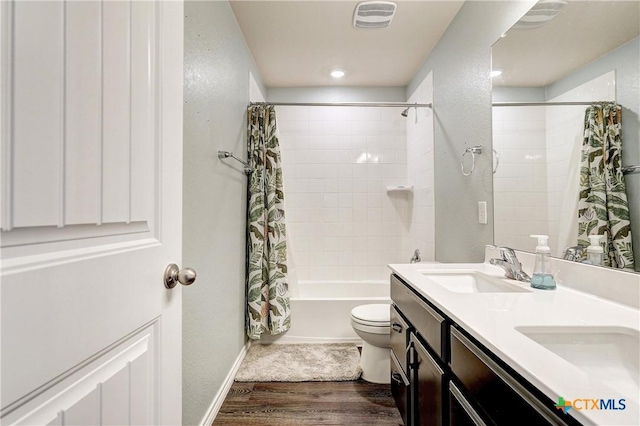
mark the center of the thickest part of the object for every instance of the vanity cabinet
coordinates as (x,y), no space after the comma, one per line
(441,376)
(418,355)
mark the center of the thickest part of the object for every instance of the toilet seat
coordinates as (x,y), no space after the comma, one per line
(373,315)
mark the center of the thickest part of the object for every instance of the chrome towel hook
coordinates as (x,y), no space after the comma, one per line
(473,150)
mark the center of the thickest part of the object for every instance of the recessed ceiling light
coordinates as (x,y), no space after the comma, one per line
(496,72)
(338,72)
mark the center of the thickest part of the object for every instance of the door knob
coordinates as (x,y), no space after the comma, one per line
(173,275)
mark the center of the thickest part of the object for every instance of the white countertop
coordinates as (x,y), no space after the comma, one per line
(492,319)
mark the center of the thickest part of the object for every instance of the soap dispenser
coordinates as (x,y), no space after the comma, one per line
(595,252)
(542,277)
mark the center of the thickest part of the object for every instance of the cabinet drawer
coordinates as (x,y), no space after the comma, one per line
(400,389)
(399,337)
(498,393)
(426,321)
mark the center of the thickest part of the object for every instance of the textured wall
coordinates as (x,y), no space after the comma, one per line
(461,62)
(216,92)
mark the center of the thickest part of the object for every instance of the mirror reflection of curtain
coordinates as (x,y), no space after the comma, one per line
(603,207)
(268,305)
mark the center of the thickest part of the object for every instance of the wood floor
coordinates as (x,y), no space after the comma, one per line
(309,403)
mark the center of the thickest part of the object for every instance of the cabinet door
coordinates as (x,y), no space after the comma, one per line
(427,380)
(461,413)
(400,388)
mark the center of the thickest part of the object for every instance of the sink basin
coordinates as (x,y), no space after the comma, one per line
(608,354)
(471,282)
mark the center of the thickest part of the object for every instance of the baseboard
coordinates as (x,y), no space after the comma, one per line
(214,408)
(286,339)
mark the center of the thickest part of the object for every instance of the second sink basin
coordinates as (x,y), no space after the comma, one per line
(609,354)
(469,281)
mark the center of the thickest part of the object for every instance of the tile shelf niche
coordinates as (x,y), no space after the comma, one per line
(406,189)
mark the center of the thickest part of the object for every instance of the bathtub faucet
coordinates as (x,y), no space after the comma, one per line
(416,257)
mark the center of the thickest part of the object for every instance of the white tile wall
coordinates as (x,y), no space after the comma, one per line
(420,142)
(520,183)
(535,145)
(564,138)
(337,162)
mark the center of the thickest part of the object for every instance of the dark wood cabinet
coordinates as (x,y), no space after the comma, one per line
(461,413)
(400,389)
(400,330)
(441,376)
(427,385)
(424,318)
(500,395)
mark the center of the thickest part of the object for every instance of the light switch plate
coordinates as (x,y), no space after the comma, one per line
(482,212)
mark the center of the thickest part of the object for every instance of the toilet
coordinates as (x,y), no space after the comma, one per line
(371,323)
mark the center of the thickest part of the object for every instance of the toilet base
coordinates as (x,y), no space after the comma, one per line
(375,364)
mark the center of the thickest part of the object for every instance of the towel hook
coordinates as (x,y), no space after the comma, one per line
(473,150)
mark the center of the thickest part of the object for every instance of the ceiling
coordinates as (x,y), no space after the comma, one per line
(581,33)
(297,43)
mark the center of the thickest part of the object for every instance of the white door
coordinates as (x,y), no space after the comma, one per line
(91,179)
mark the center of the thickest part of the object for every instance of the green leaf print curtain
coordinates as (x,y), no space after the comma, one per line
(268,308)
(603,207)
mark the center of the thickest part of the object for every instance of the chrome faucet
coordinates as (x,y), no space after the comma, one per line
(575,253)
(511,265)
(416,257)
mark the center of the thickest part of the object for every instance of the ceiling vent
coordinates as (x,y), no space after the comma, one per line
(374,14)
(540,14)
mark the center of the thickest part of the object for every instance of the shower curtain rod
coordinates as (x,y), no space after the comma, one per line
(347,104)
(506,104)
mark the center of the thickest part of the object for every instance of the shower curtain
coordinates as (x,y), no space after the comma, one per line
(603,207)
(268,307)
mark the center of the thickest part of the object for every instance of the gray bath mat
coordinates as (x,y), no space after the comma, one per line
(300,363)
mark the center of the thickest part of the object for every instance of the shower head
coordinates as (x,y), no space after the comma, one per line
(405,112)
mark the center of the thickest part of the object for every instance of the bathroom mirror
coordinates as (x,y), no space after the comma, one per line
(565,55)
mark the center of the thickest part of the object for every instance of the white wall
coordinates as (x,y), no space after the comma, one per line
(420,173)
(337,162)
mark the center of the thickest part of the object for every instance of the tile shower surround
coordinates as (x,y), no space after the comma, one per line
(535,145)
(337,163)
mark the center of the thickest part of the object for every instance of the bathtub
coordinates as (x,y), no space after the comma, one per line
(321,312)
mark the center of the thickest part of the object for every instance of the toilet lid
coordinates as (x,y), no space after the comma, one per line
(376,313)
